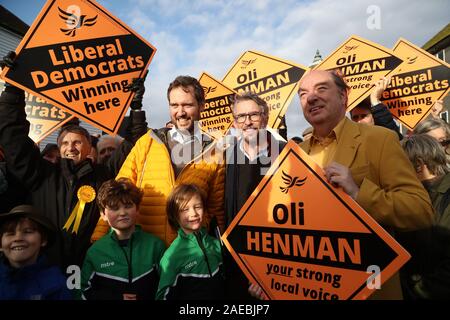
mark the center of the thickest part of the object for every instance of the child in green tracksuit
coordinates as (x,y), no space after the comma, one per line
(191,268)
(123,264)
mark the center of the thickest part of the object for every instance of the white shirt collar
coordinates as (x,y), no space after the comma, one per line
(264,152)
(182,137)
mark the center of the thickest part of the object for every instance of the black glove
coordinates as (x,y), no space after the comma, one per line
(8,60)
(137,85)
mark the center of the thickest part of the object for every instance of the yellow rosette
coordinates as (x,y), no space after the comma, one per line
(85,195)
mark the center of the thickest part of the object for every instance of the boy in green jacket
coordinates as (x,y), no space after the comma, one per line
(191,268)
(123,264)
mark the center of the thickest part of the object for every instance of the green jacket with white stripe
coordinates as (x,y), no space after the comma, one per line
(191,268)
(117,270)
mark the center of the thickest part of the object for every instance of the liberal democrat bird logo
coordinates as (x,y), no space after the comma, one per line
(75,22)
(349,48)
(209,89)
(411,60)
(246,63)
(290,182)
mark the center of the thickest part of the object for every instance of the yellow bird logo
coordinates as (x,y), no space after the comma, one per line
(291,182)
(75,22)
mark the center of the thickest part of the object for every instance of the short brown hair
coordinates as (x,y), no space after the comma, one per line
(185,82)
(178,198)
(365,105)
(113,192)
(10,224)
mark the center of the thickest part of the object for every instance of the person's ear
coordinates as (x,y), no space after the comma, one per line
(344,97)
(103,216)
(44,242)
(420,166)
(265,121)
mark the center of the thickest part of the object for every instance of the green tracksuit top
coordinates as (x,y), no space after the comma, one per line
(191,268)
(114,269)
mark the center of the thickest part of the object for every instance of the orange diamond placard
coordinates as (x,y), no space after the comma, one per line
(216,117)
(273,79)
(300,238)
(44,118)
(79,57)
(362,63)
(419,81)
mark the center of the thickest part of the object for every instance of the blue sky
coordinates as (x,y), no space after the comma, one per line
(192,36)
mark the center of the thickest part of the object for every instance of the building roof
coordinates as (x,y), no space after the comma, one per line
(437,39)
(9,21)
(317,59)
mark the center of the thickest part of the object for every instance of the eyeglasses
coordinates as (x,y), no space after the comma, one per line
(444,143)
(254,116)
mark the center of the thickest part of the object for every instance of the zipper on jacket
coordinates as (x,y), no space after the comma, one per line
(202,247)
(130,260)
(71,193)
(205,148)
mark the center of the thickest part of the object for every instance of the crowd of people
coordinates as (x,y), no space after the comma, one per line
(142,216)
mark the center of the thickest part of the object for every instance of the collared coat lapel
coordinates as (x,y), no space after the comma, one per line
(346,152)
(348,144)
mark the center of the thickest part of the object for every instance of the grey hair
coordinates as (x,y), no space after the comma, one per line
(249,95)
(424,149)
(431,124)
(116,139)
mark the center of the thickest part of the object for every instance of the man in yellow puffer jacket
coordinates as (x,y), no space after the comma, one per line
(166,157)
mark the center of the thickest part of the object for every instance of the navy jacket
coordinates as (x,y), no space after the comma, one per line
(35,282)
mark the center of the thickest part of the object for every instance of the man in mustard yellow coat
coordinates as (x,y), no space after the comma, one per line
(166,157)
(367,162)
